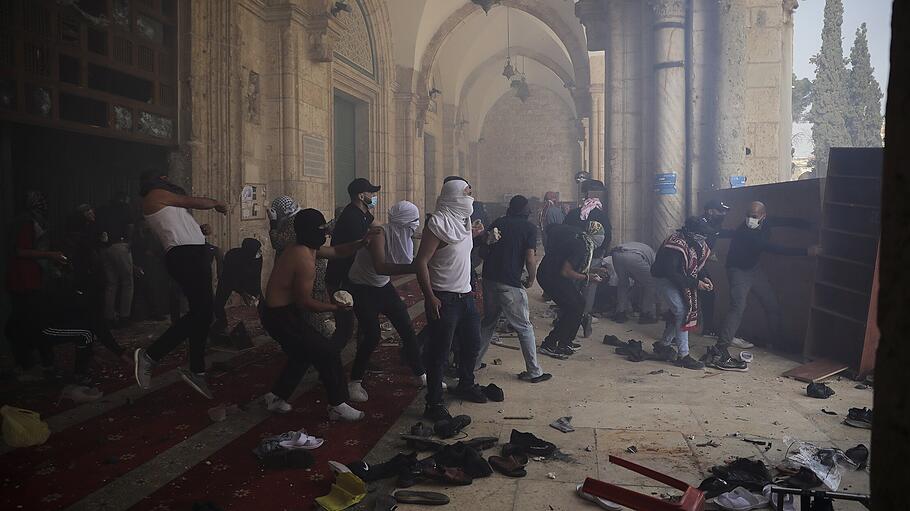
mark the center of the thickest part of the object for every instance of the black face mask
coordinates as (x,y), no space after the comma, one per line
(309,226)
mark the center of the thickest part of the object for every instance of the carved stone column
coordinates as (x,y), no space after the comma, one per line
(786,92)
(669,118)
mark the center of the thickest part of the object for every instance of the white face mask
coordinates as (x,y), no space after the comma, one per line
(752,223)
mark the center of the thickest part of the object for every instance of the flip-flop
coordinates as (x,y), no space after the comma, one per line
(740,499)
(603,503)
(303,441)
(428,498)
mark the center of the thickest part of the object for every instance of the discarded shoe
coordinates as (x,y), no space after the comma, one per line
(688,362)
(511,466)
(859,418)
(819,391)
(471,393)
(459,455)
(531,445)
(858,455)
(740,499)
(636,353)
(300,440)
(436,413)
(421,430)
(482,443)
(563,424)
(603,503)
(451,427)
(385,470)
(419,443)
(494,393)
(347,491)
(612,340)
(427,498)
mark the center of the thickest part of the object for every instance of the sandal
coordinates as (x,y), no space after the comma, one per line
(301,440)
(428,498)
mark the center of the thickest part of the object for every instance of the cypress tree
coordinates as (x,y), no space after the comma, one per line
(864,121)
(829,99)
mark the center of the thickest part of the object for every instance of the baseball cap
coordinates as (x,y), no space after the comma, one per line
(718,205)
(361,185)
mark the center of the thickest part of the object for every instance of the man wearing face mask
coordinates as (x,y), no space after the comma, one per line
(391,252)
(290,290)
(592,210)
(750,241)
(352,225)
(714,213)
(678,271)
(443,265)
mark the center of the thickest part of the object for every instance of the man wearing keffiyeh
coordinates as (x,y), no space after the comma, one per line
(679,272)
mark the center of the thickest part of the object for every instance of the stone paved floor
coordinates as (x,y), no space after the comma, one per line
(616,404)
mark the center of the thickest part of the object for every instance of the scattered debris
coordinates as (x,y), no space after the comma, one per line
(519,417)
(551,475)
(588,448)
(860,386)
(709,443)
(631,449)
(858,455)
(691,437)
(562,424)
(828,412)
(539,458)
(760,443)
(659,371)
(497,361)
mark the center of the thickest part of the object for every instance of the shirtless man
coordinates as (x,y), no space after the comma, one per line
(290,288)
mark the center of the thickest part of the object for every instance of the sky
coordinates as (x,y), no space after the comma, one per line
(807,27)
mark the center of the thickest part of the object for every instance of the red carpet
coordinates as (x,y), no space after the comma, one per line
(78,461)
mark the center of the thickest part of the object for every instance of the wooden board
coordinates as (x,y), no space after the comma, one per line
(816,371)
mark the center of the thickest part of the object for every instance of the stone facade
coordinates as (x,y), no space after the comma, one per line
(528,148)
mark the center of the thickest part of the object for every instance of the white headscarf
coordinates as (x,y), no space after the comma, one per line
(404,220)
(451,222)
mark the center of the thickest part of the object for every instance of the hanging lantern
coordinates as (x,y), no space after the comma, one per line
(508,71)
(486,5)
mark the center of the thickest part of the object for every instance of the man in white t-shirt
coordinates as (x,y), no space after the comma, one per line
(443,265)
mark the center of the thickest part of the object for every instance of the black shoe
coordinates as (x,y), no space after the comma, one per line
(494,393)
(858,455)
(459,455)
(422,430)
(612,340)
(620,317)
(664,352)
(451,427)
(647,319)
(552,351)
(719,358)
(530,444)
(573,346)
(473,393)
(859,418)
(436,413)
(385,470)
(819,391)
(689,363)
(634,351)
(523,376)
(586,326)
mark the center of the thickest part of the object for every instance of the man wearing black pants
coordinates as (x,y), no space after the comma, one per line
(290,289)
(715,212)
(187,258)
(566,264)
(242,274)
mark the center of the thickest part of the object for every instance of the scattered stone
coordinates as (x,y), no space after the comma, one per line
(551,475)
(828,412)
(709,443)
(497,361)
(589,448)
(659,371)
(691,437)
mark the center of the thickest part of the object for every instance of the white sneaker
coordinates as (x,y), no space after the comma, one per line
(423,382)
(344,412)
(357,392)
(275,404)
(741,343)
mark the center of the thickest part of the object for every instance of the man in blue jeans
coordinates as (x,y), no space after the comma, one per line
(443,265)
(679,273)
(512,241)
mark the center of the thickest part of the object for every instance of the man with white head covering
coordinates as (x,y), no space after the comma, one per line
(443,267)
(389,253)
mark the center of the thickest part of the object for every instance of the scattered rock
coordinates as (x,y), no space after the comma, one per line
(551,475)
(659,371)
(497,361)
(589,448)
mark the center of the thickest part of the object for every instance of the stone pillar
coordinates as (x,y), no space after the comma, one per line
(786,92)
(669,115)
(733,19)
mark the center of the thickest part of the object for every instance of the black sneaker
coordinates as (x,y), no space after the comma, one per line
(474,393)
(552,351)
(719,358)
(573,346)
(689,363)
(530,444)
(436,413)
(664,352)
(859,418)
(447,428)
(620,317)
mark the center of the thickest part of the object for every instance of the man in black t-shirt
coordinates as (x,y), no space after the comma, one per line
(567,263)
(352,225)
(512,241)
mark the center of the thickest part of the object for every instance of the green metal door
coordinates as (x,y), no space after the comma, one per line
(345,149)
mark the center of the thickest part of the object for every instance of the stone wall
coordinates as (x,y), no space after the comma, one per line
(528,148)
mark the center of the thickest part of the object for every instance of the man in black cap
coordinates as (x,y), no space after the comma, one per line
(592,210)
(714,213)
(352,225)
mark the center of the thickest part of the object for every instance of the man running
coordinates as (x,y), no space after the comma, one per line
(166,208)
